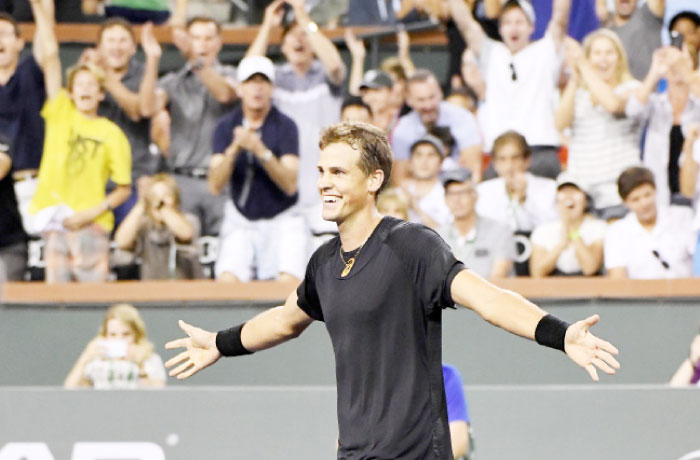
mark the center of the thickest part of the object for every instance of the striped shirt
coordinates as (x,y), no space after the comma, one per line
(602,145)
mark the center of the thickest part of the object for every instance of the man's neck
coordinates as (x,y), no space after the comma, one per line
(89,113)
(619,21)
(425,185)
(302,68)
(649,224)
(8,71)
(255,117)
(356,229)
(465,224)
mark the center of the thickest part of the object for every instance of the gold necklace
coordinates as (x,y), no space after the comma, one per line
(351,261)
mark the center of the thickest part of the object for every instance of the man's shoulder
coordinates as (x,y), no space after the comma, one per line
(621,228)
(680,216)
(490,186)
(542,184)
(408,237)
(454,114)
(407,124)
(492,227)
(279,117)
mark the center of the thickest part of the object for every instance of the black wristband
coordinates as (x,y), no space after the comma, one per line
(229,342)
(551,332)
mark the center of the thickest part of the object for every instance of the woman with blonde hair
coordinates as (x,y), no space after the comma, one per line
(156,230)
(120,356)
(603,139)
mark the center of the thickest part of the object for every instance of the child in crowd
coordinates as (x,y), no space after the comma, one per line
(160,234)
(120,356)
(81,152)
(393,203)
(423,188)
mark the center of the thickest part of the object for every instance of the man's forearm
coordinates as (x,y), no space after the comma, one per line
(217,85)
(127,99)
(323,48)
(282,175)
(221,168)
(147,89)
(259,45)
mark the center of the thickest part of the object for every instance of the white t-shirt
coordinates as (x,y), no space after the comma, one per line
(122,374)
(433,204)
(673,239)
(522,97)
(539,206)
(550,234)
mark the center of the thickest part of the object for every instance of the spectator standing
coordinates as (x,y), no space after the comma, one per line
(308,88)
(22,95)
(120,356)
(604,140)
(521,77)
(257,152)
(639,29)
(429,111)
(483,244)
(572,245)
(649,242)
(160,234)
(196,97)
(82,150)
(425,193)
(127,92)
(13,239)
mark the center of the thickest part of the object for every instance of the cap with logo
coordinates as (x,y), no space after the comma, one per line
(376,79)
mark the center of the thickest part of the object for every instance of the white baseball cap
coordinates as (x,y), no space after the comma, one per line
(251,65)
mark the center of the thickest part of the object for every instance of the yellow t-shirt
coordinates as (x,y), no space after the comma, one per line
(80,154)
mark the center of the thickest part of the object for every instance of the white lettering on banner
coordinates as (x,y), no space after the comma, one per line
(85,451)
(690,456)
(26,451)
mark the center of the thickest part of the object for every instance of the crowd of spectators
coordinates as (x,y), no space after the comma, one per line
(536,155)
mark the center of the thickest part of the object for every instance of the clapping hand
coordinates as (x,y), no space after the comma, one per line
(587,350)
(149,43)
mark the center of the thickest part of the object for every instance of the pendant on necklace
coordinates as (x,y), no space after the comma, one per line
(348,267)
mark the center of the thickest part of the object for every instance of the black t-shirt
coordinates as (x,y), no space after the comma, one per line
(384,320)
(11,230)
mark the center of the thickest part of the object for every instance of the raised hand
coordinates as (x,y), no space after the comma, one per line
(149,43)
(587,350)
(274,13)
(355,45)
(182,42)
(200,351)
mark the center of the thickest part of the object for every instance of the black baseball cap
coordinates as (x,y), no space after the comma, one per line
(376,79)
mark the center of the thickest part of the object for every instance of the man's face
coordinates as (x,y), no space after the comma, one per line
(604,58)
(296,47)
(10,45)
(117,47)
(356,113)
(378,99)
(571,202)
(344,187)
(206,41)
(86,92)
(256,92)
(424,97)
(460,198)
(515,28)
(642,202)
(691,34)
(625,8)
(425,162)
(509,160)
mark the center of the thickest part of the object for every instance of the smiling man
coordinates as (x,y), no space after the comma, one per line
(521,76)
(380,288)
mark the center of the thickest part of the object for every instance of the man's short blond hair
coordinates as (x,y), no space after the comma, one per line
(375,152)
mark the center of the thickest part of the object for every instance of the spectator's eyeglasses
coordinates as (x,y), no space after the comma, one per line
(658,256)
(513,75)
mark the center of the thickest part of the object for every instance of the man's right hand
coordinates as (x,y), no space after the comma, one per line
(274,13)
(200,351)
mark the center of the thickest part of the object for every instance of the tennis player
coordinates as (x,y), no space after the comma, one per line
(380,288)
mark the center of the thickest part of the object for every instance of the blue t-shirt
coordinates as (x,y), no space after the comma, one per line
(21,100)
(254,194)
(410,128)
(454,394)
(582,19)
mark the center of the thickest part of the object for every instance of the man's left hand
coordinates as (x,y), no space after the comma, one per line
(587,350)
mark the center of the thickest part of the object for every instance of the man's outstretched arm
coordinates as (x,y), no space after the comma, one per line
(512,312)
(269,328)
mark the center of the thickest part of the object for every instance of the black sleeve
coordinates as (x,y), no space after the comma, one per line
(431,264)
(307,296)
